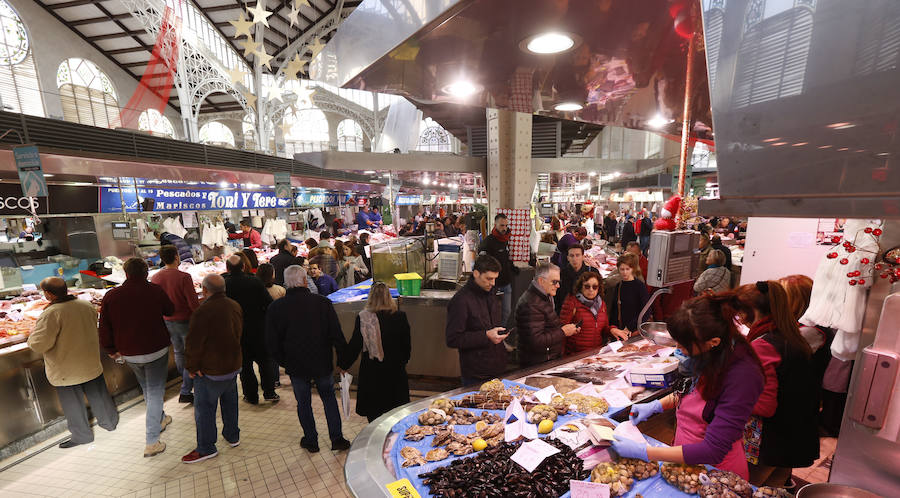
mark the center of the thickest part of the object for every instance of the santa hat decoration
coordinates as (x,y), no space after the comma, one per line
(667,214)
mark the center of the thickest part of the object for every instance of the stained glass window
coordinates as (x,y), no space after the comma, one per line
(433,137)
(350,136)
(19,89)
(154,122)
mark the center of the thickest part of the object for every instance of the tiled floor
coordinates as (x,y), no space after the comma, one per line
(269,462)
(820,470)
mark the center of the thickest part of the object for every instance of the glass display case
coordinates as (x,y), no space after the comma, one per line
(401,255)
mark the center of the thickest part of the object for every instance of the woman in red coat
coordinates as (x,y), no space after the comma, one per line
(584,307)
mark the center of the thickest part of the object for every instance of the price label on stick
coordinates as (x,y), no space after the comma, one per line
(402,489)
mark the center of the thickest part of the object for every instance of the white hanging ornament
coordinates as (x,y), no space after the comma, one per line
(260,14)
(242,27)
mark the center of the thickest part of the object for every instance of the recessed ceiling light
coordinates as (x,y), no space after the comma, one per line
(779,144)
(841,126)
(659,121)
(552,42)
(462,88)
(369,172)
(568,107)
(799,144)
(772,139)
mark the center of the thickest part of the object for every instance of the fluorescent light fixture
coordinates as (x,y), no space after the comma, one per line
(369,172)
(48,175)
(779,144)
(386,175)
(592,173)
(768,140)
(883,154)
(568,106)
(825,146)
(799,144)
(425,181)
(659,121)
(842,149)
(841,126)
(81,184)
(552,42)
(462,88)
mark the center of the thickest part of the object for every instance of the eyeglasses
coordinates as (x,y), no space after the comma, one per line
(554,282)
(589,286)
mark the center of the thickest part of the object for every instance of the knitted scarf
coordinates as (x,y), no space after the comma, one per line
(502,237)
(371,333)
(595,305)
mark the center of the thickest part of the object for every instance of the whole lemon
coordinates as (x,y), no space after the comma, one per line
(480,425)
(545,426)
(479,444)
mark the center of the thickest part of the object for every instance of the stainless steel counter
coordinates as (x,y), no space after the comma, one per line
(365,470)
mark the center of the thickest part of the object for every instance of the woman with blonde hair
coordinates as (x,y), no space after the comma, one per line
(382,334)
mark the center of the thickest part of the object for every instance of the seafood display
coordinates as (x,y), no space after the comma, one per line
(542,412)
(462,416)
(769,492)
(418,433)
(491,473)
(433,416)
(412,456)
(684,477)
(725,483)
(442,404)
(436,455)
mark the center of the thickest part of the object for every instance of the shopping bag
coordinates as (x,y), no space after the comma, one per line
(346,378)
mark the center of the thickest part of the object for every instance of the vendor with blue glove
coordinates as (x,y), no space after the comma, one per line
(723,380)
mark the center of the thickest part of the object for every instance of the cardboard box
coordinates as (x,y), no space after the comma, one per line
(655,374)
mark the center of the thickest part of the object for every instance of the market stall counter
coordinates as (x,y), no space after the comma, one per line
(418,440)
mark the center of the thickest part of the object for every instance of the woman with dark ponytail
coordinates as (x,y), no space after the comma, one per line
(782,434)
(722,379)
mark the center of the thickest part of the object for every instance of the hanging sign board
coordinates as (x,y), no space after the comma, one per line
(282,185)
(31,174)
(168,199)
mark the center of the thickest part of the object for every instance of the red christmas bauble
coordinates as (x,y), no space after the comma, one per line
(835,239)
(862,281)
(885,275)
(856,273)
(846,243)
(844,261)
(853,282)
(868,230)
(879,266)
(877,232)
(851,249)
(864,261)
(850,274)
(832,255)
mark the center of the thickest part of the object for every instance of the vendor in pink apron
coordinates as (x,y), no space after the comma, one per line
(723,379)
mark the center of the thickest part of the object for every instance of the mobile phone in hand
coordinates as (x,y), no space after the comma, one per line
(503,332)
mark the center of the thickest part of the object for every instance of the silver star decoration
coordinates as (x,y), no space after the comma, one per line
(250,47)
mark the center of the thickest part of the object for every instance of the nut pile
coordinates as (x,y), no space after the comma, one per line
(541,412)
(585,404)
(461,416)
(492,474)
(726,483)
(684,477)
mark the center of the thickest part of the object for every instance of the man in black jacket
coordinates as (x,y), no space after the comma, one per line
(496,245)
(541,338)
(253,297)
(302,330)
(282,260)
(717,244)
(474,325)
(570,273)
(646,229)
(184,249)
(628,234)
(609,226)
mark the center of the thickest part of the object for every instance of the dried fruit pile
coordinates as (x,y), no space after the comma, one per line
(492,474)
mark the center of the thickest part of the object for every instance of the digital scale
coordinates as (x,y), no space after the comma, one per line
(121,230)
(673,258)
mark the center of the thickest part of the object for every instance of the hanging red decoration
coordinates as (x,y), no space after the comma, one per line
(862,281)
(853,282)
(868,230)
(844,261)
(832,255)
(851,249)
(864,261)
(877,232)
(879,266)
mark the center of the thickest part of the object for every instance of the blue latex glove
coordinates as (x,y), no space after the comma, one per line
(643,411)
(627,448)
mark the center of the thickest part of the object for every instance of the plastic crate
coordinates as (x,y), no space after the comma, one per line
(408,284)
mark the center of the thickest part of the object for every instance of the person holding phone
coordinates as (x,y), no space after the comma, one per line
(474,318)
(541,336)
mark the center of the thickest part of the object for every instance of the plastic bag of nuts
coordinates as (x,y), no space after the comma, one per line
(432,416)
(541,412)
(684,477)
(443,404)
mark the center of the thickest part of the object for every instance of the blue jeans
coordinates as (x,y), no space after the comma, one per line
(178,331)
(303,393)
(207,395)
(152,378)
(644,241)
(506,301)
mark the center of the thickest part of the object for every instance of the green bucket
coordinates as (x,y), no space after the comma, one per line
(408,284)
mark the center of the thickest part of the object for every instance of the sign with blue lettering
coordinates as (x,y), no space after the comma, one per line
(408,200)
(31,175)
(168,199)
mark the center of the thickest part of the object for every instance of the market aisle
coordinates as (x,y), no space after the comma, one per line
(269,461)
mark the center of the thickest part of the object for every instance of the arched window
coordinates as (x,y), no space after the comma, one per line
(350,136)
(87,95)
(157,124)
(305,131)
(774,50)
(19,89)
(433,137)
(215,133)
(249,133)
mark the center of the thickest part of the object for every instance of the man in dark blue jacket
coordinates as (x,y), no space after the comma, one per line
(302,332)
(184,249)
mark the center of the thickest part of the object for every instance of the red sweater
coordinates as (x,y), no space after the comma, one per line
(594,330)
(131,318)
(770,359)
(253,235)
(180,288)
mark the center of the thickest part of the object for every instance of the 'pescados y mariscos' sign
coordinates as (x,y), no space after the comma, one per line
(200,200)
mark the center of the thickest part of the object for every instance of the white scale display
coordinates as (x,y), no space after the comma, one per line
(673,258)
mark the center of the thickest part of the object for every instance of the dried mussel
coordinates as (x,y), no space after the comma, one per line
(412,456)
(684,477)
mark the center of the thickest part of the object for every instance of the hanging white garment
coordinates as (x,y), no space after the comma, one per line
(173,226)
(834,302)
